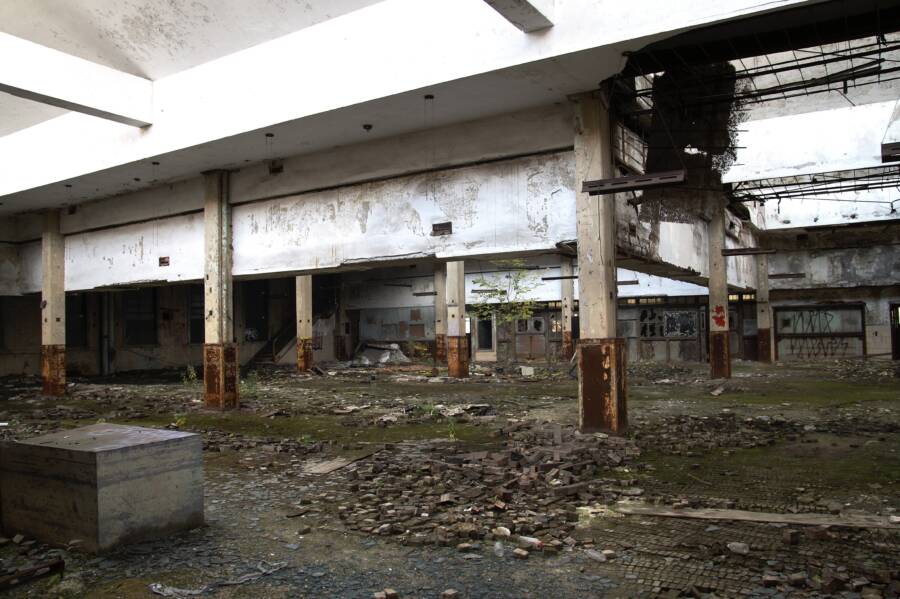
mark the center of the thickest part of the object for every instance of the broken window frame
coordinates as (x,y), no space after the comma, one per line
(140,309)
(76,320)
(196,322)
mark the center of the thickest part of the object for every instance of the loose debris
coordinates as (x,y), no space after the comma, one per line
(27,574)
(380,353)
(263,569)
(528,487)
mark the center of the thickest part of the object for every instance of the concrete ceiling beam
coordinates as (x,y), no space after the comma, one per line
(527,15)
(41,74)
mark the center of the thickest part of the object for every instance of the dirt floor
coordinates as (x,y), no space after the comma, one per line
(360,480)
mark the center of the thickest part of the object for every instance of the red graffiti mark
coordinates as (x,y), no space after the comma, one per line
(719,316)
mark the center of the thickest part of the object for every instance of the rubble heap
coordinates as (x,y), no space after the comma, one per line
(528,487)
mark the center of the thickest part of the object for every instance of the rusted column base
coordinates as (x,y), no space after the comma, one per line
(220,375)
(568,346)
(440,348)
(719,355)
(602,385)
(304,354)
(458,357)
(53,369)
(764,345)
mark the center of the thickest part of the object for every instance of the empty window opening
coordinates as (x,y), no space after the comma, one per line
(76,320)
(196,325)
(139,307)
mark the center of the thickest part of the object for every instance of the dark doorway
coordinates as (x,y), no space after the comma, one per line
(486,335)
(255,295)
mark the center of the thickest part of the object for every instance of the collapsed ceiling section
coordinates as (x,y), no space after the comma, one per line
(685,99)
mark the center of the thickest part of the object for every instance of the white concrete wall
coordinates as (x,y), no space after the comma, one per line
(855,267)
(516,206)
(521,205)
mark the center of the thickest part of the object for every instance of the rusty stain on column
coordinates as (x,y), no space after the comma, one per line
(220,375)
(53,307)
(304,322)
(719,345)
(457,342)
(602,388)
(458,357)
(304,354)
(53,369)
(602,385)
(567,295)
(220,353)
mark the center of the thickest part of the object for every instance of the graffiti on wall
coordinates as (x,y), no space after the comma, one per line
(819,333)
(681,323)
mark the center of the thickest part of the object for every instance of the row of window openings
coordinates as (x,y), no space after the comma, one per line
(485,336)
(139,310)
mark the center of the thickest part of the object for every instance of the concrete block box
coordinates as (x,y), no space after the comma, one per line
(105,484)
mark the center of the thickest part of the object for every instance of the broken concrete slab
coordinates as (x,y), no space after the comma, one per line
(848,521)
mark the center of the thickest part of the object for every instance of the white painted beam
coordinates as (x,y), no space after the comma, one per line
(41,74)
(527,15)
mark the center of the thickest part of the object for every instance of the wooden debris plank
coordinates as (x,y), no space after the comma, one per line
(22,576)
(328,466)
(847,521)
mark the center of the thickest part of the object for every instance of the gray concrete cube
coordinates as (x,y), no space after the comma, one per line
(105,484)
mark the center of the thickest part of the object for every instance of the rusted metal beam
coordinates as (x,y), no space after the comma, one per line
(566,277)
(633,183)
(746,251)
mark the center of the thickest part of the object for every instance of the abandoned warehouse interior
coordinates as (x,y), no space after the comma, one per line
(576,299)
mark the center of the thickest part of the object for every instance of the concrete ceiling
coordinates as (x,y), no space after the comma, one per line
(535,84)
(151,38)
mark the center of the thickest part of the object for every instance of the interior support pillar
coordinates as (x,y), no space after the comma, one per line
(567,293)
(602,388)
(440,313)
(764,341)
(457,342)
(304,323)
(53,307)
(719,345)
(220,354)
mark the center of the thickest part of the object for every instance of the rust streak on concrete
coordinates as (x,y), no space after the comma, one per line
(53,369)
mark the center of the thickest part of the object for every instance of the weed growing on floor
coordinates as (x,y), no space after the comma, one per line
(250,384)
(427,409)
(189,376)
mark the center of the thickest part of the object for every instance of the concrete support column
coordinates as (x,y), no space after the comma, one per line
(602,381)
(719,346)
(764,341)
(457,342)
(304,323)
(567,293)
(220,353)
(53,307)
(440,313)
